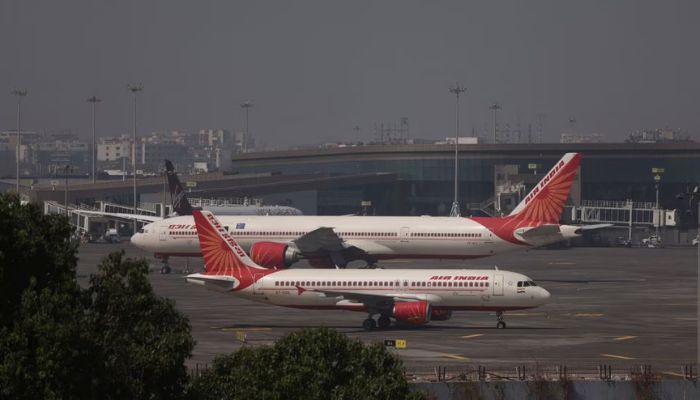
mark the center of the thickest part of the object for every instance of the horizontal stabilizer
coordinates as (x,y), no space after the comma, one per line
(594,227)
(539,235)
(219,283)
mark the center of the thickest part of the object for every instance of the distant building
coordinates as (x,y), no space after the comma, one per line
(665,135)
(569,137)
(53,153)
(462,140)
(114,149)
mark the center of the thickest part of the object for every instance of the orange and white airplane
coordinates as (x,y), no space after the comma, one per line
(327,241)
(415,296)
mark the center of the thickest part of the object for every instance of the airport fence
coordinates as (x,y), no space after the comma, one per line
(540,372)
(637,373)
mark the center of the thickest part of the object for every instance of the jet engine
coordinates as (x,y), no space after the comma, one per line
(414,312)
(440,315)
(273,255)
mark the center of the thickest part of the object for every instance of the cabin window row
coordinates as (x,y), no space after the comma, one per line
(380,284)
(451,284)
(446,234)
(183,233)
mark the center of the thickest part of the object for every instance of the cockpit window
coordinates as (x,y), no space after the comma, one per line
(520,283)
(141,230)
(532,283)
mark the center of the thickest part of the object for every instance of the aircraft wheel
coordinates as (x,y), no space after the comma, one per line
(369,324)
(501,325)
(383,321)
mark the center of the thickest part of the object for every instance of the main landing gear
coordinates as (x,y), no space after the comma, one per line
(165,266)
(370,324)
(501,324)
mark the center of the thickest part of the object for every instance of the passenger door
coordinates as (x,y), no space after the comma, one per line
(404,234)
(498,285)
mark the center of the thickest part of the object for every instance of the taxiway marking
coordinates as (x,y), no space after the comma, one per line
(617,356)
(472,336)
(621,338)
(454,356)
(589,315)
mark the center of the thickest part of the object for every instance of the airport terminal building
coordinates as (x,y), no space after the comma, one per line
(419,179)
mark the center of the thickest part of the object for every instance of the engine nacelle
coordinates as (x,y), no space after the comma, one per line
(440,315)
(414,312)
(273,255)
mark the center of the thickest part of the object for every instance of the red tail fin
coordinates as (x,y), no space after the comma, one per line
(222,255)
(545,203)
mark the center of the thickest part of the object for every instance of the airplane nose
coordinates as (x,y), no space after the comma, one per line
(545,295)
(137,239)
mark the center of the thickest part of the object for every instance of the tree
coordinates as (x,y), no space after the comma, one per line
(32,245)
(310,364)
(143,340)
(114,340)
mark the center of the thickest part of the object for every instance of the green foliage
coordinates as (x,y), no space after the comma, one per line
(114,340)
(47,353)
(143,339)
(310,364)
(32,245)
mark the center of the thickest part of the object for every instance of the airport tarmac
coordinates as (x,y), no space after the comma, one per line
(616,306)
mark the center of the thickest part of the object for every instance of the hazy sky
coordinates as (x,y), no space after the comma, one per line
(315,69)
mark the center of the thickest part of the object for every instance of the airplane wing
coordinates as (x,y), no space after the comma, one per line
(324,245)
(138,217)
(318,240)
(372,300)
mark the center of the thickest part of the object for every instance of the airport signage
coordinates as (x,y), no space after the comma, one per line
(191,184)
(658,170)
(55,183)
(395,343)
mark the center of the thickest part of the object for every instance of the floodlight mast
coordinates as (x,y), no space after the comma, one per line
(456,90)
(94,100)
(134,89)
(19,93)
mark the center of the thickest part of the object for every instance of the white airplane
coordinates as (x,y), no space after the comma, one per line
(328,241)
(412,296)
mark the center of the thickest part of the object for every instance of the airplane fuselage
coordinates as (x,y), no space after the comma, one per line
(379,237)
(460,289)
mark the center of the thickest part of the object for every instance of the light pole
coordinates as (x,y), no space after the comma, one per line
(495,107)
(19,93)
(694,194)
(134,89)
(66,170)
(657,179)
(457,90)
(246,105)
(94,100)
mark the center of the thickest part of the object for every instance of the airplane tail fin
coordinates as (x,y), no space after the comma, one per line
(181,205)
(222,255)
(545,203)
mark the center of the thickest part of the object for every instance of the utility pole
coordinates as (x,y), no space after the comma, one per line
(134,89)
(246,106)
(94,100)
(457,90)
(19,93)
(495,107)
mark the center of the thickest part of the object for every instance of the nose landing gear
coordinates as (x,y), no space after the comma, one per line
(501,324)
